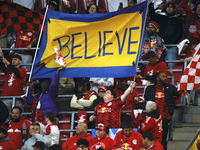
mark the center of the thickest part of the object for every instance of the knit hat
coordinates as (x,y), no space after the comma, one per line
(154,24)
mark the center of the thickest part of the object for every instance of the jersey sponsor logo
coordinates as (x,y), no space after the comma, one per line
(1,147)
(159,95)
(104,110)
(150,73)
(16,131)
(192,28)
(126,146)
(10,81)
(98,145)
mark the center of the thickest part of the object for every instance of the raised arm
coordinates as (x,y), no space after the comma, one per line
(128,91)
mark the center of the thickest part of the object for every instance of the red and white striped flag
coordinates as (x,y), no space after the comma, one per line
(59,58)
(191,77)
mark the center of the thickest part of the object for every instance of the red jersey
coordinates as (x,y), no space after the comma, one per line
(70,144)
(129,103)
(105,143)
(153,69)
(156,146)
(18,131)
(13,85)
(109,113)
(161,103)
(6,144)
(154,126)
(24,38)
(133,142)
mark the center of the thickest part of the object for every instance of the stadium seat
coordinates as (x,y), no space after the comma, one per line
(64,126)
(177,74)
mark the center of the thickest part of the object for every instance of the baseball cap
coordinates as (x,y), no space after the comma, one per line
(150,54)
(103,88)
(100,126)
(54,3)
(39,144)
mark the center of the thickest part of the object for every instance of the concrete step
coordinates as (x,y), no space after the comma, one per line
(192,109)
(182,136)
(177,145)
(185,127)
(192,118)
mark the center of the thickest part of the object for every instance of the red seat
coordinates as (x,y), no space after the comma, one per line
(64,126)
(177,74)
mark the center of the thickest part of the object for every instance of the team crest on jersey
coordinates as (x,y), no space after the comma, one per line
(29,33)
(109,104)
(104,110)
(98,145)
(134,141)
(126,146)
(159,95)
(193,28)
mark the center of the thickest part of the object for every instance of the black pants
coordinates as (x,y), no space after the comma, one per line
(166,127)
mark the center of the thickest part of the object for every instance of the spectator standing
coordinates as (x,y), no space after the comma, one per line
(66,87)
(45,101)
(52,127)
(163,94)
(23,39)
(5,142)
(109,111)
(84,98)
(18,127)
(154,66)
(148,141)
(170,29)
(153,121)
(81,132)
(89,3)
(14,80)
(53,5)
(97,82)
(37,133)
(102,139)
(130,4)
(127,138)
(193,18)
(153,42)
(4,113)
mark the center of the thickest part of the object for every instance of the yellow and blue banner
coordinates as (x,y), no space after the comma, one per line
(93,45)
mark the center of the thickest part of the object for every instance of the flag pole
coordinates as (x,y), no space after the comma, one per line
(37,47)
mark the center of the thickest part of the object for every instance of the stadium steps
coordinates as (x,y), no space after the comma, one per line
(184,129)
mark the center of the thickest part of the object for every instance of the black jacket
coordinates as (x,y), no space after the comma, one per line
(170,91)
(4,113)
(170,26)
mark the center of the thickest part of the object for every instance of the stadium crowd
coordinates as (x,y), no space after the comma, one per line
(115,102)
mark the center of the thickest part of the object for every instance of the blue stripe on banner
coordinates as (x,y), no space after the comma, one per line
(92,17)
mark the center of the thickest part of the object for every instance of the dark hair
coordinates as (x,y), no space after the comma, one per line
(84,82)
(150,54)
(172,4)
(148,135)
(134,1)
(126,121)
(122,79)
(100,149)
(196,6)
(52,117)
(82,142)
(97,9)
(16,56)
(55,147)
(113,93)
(17,107)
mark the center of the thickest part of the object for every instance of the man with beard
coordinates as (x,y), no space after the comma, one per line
(163,94)
(18,127)
(153,42)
